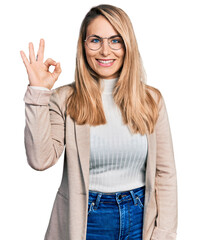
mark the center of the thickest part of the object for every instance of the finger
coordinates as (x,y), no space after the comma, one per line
(25,59)
(57,71)
(49,62)
(31,53)
(40,54)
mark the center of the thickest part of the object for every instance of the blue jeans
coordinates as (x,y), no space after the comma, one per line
(115,216)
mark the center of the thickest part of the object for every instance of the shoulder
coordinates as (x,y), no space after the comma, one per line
(156,94)
(60,95)
(63,91)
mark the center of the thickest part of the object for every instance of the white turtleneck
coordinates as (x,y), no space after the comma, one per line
(117,157)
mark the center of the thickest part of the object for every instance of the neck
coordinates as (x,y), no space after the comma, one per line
(107,85)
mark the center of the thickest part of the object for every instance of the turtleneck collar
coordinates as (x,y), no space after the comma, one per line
(107,85)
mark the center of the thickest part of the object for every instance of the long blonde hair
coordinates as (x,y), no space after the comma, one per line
(131,94)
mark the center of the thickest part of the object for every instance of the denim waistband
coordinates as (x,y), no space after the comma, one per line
(116,195)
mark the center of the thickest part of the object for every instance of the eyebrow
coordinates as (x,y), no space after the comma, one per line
(109,37)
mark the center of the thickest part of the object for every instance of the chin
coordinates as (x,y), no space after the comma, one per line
(108,75)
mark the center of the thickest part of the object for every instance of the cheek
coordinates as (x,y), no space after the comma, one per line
(89,54)
(120,55)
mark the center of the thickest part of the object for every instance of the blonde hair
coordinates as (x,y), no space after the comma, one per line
(131,94)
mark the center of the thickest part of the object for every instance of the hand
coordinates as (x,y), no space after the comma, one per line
(38,72)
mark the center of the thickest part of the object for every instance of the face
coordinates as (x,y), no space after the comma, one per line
(101,27)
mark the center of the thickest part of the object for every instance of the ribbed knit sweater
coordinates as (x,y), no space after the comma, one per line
(117,157)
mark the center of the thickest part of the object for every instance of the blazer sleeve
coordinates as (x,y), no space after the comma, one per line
(166,180)
(44,128)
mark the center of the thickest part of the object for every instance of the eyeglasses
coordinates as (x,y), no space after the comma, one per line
(95,42)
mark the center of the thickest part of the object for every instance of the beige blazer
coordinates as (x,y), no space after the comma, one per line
(48,131)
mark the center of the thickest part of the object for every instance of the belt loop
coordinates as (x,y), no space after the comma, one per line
(99,195)
(135,201)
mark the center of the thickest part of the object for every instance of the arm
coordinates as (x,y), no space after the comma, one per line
(44,129)
(166,180)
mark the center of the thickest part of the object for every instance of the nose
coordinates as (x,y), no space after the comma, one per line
(105,49)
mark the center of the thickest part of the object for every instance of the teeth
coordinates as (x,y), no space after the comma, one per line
(109,61)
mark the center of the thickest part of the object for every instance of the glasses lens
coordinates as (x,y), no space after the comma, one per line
(116,43)
(94,43)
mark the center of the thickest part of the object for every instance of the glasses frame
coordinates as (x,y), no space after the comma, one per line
(103,41)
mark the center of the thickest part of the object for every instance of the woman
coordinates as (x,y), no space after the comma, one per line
(119,176)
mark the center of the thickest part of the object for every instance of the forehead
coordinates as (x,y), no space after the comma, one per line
(101,26)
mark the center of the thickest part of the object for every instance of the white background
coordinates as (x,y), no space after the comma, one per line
(167,37)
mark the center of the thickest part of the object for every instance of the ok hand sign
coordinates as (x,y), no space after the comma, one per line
(38,72)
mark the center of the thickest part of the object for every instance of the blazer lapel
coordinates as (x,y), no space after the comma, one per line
(150,164)
(83,145)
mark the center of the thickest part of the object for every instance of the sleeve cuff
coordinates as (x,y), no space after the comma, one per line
(38,87)
(37,96)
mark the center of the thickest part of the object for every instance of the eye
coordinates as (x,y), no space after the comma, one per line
(95,40)
(115,40)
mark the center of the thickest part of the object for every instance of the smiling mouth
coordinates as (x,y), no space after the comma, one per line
(106,61)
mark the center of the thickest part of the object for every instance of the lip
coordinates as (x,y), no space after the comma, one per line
(105,64)
(104,59)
